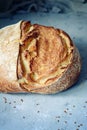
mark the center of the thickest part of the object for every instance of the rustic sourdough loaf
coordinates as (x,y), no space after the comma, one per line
(36,58)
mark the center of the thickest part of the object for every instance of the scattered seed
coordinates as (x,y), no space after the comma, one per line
(14,101)
(21,100)
(78,125)
(37,104)
(5,99)
(66,122)
(23,117)
(14,107)
(85,101)
(9,102)
(57,116)
(70,113)
(77,129)
(38,111)
(58,120)
(84,106)
(65,111)
(73,105)
(81,124)
(75,122)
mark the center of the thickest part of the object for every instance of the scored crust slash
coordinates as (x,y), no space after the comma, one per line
(36,58)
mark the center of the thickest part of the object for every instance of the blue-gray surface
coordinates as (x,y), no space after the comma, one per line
(63,111)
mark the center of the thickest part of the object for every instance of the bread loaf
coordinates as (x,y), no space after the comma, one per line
(36,58)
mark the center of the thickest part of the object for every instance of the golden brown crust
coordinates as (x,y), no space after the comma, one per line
(66,80)
(49,54)
(46,60)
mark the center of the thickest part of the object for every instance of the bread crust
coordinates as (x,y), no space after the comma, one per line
(69,77)
(9,49)
(21,79)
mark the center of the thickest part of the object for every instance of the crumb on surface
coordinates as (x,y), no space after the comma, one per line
(21,100)
(5,99)
(14,107)
(23,117)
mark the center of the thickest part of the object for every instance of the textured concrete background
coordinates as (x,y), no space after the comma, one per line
(63,111)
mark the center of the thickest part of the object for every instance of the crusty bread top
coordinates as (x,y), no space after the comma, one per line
(45,54)
(36,58)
